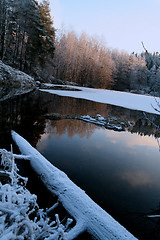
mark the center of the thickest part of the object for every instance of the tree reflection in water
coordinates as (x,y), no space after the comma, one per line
(25,115)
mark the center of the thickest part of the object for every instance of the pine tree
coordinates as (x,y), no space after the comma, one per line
(26,33)
(48,30)
(5,11)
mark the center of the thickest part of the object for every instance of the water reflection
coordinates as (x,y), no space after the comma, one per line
(25,114)
(137,178)
(135,141)
(71,106)
(119,170)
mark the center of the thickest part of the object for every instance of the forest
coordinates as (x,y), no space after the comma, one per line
(30,43)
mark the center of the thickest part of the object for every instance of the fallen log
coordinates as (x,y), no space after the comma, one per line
(88,215)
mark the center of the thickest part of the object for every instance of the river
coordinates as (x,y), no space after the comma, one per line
(119,170)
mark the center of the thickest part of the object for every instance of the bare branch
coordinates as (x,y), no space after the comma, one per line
(149,55)
(144,47)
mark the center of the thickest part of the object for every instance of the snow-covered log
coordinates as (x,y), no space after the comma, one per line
(88,215)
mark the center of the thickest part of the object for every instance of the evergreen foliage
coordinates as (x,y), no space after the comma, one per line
(27,42)
(27,34)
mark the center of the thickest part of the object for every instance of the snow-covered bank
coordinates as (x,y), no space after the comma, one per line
(14,82)
(122,99)
(88,215)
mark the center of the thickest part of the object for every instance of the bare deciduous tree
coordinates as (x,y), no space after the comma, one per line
(84,60)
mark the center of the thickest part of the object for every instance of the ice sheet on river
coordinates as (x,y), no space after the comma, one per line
(88,215)
(122,99)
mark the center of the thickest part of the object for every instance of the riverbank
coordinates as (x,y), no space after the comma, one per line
(14,82)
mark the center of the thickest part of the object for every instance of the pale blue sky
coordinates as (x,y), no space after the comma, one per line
(122,23)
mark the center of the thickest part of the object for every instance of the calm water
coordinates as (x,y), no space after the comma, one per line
(119,170)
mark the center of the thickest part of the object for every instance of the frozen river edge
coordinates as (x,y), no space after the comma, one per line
(149,104)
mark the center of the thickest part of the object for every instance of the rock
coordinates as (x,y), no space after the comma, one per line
(14,82)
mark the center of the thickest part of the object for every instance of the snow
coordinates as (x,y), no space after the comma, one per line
(48,84)
(101,121)
(20,216)
(122,99)
(14,82)
(108,122)
(88,215)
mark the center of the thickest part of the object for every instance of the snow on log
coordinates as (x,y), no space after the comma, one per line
(88,215)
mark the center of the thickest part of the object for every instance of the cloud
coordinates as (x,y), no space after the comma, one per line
(135,179)
(132,140)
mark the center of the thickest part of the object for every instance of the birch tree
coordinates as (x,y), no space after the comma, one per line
(84,60)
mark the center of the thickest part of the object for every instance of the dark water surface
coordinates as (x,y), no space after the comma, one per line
(119,170)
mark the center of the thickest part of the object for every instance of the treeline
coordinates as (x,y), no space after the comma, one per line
(29,42)
(26,34)
(137,72)
(87,61)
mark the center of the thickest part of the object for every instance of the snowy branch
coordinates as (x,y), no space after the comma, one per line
(18,206)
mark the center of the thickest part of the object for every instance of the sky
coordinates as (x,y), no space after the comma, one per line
(122,24)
